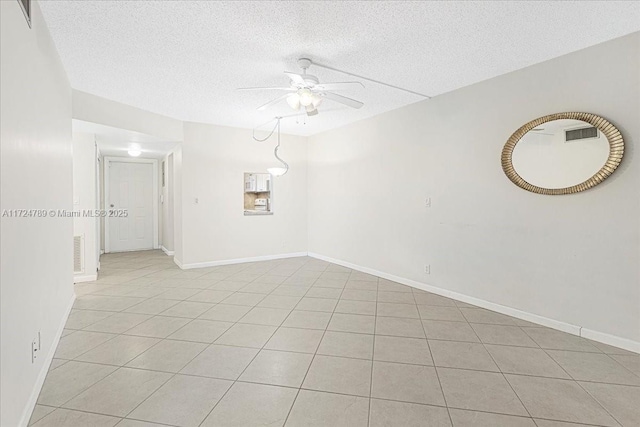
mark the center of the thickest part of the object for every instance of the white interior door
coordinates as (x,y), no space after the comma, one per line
(131,189)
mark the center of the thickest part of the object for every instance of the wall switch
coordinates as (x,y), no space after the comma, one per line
(35,348)
(427,202)
(427,269)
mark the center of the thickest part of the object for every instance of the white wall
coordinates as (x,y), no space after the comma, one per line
(570,258)
(85,199)
(36,267)
(101,199)
(95,109)
(214,160)
(177,210)
(167,204)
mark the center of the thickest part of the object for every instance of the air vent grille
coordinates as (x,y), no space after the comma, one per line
(78,251)
(583,133)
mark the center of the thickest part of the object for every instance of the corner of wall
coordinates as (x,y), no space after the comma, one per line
(44,370)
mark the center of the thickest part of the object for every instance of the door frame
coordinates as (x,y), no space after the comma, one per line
(107,166)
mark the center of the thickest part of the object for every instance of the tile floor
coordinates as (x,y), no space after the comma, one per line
(302,342)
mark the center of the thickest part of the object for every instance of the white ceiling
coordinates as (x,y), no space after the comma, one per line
(117,142)
(185,58)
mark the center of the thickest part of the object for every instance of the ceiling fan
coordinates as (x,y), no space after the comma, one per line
(305,92)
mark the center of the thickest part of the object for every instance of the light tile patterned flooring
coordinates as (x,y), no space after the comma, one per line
(302,342)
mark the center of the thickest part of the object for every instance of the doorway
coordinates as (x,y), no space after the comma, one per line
(131,204)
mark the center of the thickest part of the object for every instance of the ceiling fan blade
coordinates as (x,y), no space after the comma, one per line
(296,78)
(272,102)
(342,99)
(266,88)
(337,85)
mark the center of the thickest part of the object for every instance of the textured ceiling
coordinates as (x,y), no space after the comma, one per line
(184,58)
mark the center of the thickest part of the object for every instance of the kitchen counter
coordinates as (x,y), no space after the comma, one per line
(249,212)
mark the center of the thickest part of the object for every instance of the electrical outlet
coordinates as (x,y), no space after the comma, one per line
(427,202)
(427,269)
(35,348)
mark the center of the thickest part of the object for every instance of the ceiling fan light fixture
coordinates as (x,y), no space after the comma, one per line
(305,90)
(316,101)
(306,97)
(294,101)
(277,171)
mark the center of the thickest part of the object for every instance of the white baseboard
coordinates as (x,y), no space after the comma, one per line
(85,278)
(237,260)
(167,251)
(609,339)
(523,315)
(33,399)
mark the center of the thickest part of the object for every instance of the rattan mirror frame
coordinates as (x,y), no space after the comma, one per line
(616,151)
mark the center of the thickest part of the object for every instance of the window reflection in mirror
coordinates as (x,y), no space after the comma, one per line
(258,193)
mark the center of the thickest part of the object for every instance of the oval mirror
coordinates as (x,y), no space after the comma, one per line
(562,153)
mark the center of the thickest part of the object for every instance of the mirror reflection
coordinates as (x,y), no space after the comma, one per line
(560,153)
(257,194)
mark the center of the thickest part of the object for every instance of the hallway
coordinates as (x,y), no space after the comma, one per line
(305,342)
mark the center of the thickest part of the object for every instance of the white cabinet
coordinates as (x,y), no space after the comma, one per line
(263,182)
(250,182)
(257,182)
